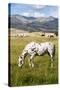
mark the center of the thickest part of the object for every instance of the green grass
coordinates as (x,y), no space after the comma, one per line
(41,74)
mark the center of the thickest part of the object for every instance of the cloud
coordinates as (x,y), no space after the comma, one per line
(33,14)
(36,14)
(25,14)
(38,6)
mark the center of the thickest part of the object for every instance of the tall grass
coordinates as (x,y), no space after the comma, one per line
(41,74)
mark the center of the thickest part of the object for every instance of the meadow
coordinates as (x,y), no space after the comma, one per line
(41,74)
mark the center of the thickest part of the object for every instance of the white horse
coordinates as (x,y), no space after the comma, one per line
(34,49)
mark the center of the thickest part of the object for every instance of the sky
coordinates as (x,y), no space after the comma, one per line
(33,10)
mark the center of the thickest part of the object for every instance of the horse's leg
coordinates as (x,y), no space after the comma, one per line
(31,62)
(51,61)
(51,56)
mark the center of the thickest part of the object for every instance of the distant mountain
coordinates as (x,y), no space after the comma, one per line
(33,24)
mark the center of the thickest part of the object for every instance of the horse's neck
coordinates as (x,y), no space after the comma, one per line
(23,54)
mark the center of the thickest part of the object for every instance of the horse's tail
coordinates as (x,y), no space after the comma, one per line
(54,51)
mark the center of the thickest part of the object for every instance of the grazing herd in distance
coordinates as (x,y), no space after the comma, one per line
(27,34)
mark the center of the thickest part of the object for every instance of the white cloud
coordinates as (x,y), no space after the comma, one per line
(25,14)
(39,6)
(33,14)
(36,14)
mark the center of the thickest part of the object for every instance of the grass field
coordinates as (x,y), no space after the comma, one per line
(41,74)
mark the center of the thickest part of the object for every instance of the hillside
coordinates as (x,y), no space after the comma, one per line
(33,24)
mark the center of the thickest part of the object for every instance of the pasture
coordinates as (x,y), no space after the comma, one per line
(41,74)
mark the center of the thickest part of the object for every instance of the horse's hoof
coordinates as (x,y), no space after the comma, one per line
(32,65)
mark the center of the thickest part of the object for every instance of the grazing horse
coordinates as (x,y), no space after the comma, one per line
(32,49)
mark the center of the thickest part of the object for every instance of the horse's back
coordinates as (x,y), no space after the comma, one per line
(34,44)
(30,45)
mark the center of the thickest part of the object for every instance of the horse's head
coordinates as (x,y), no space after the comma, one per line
(20,61)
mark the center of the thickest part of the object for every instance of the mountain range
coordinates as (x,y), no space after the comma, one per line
(30,24)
